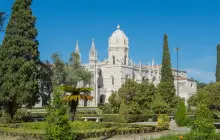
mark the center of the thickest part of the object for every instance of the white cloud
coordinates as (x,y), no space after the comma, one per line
(202,76)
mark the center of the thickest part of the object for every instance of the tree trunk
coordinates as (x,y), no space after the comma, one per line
(10,108)
(72,112)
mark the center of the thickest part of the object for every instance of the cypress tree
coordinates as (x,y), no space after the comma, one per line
(166,87)
(217,75)
(180,116)
(166,71)
(19,59)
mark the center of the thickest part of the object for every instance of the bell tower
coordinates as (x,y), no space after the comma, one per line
(118,48)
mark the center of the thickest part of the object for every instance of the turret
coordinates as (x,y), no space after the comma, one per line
(77,50)
(149,73)
(93,54)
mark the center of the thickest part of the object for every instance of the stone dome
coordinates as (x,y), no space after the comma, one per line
(118,38)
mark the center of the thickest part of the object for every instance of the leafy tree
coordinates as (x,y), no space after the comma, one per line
(166,87)
(166,71)
(217,74)
(159,106)
(58,126)
(58,71)
(124,110)
(45,84)
(70,74)
(175,102)
(19,59)
(212,95)
(192,101)
(203,121)
(180,116)
(115,102)
(128,91)
(209,95)
(76,72)
(2,18)
(145,95)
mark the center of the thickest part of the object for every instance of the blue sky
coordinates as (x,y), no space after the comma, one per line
(193,25)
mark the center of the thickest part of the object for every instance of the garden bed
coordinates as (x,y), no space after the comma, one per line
(35,130)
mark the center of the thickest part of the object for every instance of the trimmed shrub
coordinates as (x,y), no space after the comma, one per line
(22,115)
(5,118)
(203,121)
(163,121)
(181,114)
(58,126)
(136,118)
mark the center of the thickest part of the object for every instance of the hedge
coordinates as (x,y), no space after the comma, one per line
(82,134)
(114,131)
(35,130)
(116,117)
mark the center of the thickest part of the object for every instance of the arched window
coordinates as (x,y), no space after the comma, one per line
(113,59)
(125,59)
(143,78)
(113,80)
(100,72)
(102,98)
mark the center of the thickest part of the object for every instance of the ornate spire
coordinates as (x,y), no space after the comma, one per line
(149,72)
(93,43)
(93,52)
(77,47)
(118,27)
(140,66)
(152,64)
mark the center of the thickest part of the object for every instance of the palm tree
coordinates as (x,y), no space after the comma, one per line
(73,95)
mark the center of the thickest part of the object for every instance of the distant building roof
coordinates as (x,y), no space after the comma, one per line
(183,78)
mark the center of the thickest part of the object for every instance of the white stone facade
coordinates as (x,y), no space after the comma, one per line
(111,73)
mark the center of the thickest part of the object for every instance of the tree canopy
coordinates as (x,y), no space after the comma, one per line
(166,87)
(19,59)
(209,95)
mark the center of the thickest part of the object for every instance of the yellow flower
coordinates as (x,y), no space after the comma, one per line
(181,137)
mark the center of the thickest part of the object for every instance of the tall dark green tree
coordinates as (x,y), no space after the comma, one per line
(166,87)
(19,59)
(217,74)
(166,71)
